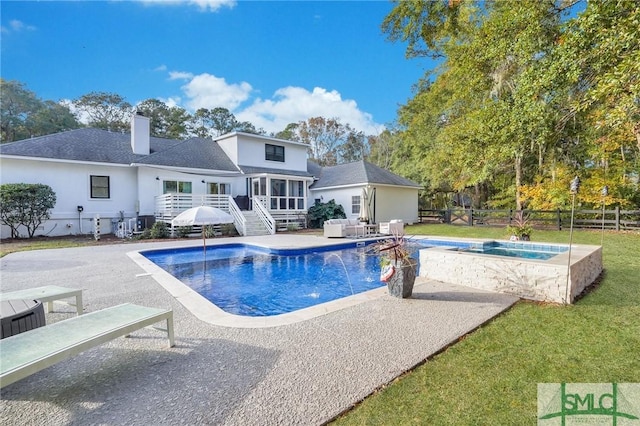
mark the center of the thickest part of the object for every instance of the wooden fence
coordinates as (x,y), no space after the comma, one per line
(550,219)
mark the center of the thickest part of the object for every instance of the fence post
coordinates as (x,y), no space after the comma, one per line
(447,215)
(617,218)
(510,216)
(470,216)
(559,221)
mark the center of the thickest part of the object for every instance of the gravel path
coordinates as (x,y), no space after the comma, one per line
(303,373)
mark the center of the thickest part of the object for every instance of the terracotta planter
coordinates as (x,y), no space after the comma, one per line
(400,284)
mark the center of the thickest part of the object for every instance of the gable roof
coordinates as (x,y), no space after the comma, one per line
(102,146)
(360,172)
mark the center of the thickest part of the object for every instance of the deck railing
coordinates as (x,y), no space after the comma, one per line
(169,206)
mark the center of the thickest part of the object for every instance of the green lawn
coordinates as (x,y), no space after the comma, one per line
(490,377)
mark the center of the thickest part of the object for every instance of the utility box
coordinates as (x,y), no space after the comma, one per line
(145,222)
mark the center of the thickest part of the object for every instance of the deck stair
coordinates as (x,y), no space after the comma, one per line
(254,225)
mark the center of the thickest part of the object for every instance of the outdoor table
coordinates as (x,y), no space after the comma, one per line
(18,316)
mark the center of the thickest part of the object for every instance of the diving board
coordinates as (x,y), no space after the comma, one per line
(27,353)
(47,294)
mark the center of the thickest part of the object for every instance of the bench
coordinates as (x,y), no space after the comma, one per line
(46,294)
(27,353)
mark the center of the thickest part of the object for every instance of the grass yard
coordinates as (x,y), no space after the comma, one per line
(490,376)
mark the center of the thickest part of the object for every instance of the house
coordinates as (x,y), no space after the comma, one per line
(367,191)
(129,181)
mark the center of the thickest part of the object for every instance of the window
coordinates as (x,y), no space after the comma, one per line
(100,187)
(274,153)
(278,187)
(296,188)
(219,188)
(355,204)
(176,187)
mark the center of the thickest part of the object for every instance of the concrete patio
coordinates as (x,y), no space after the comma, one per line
(303,372)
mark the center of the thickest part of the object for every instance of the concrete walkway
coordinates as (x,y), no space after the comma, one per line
(300,373)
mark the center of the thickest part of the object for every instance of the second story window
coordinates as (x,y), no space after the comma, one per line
(274,153)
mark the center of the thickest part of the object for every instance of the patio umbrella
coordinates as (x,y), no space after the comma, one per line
(364,204)
(202,216)
(366,207)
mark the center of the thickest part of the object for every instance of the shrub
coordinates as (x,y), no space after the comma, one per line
(159,230)
(320,212)
(184,231)
(23,204)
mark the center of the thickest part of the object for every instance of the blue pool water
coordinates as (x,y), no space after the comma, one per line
(522,250)
(254,281)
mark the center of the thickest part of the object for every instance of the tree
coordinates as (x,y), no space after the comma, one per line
(165,121)
(24,115)
(213,122)
(25,205)
(17,104)
(354,148)
(289,133)
(512,104)
(108,111)
(324,136)
(51,117)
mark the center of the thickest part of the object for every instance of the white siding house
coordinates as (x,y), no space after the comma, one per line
(266,183)
(367,191)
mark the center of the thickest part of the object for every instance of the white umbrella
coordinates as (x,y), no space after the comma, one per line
(202,215)
(367,202)
(364,204)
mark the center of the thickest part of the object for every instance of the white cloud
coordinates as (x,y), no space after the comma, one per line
(208,91)
(160,68)
(16,26)
(287,105)
(180,75)
(203,5)
(294,104)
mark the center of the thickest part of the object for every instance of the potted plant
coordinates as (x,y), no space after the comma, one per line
(398,268)
(519,228)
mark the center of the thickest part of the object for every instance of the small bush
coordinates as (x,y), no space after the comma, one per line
(184,231)
(229,229)
(160,230)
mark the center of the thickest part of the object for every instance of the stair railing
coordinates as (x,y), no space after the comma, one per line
(239,220)
(264,216)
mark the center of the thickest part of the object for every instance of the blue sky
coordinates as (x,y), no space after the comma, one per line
(270,63)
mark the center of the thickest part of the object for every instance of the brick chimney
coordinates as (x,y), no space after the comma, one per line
(140,134)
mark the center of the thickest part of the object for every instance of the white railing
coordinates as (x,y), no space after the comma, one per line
(238,218)
(169,206)
(264,215)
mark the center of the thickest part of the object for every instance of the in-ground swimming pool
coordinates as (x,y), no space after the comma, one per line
(254,281)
